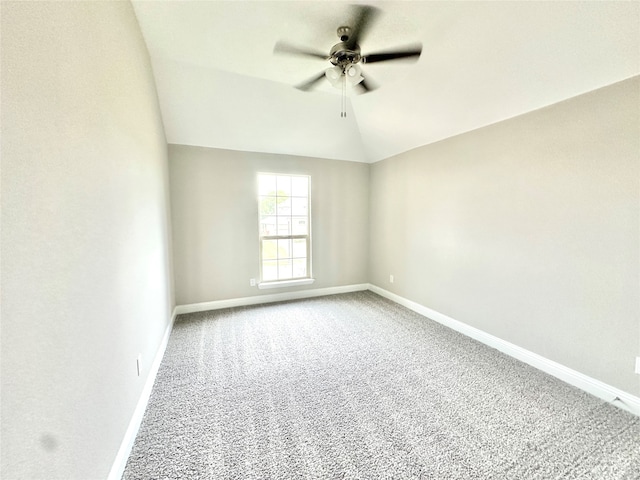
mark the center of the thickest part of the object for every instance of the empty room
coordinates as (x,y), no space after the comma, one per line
(320,240)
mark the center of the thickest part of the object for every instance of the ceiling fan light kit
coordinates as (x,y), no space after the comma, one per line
(352,73)
(346,56)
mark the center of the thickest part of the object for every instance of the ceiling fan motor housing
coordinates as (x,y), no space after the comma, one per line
(342,54)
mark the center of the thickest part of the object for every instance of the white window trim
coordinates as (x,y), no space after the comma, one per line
(286,283)
(293,282)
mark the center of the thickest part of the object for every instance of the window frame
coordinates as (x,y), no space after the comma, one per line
(291,281)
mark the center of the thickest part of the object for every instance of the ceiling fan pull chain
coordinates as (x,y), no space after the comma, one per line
(341,100)
(344,96)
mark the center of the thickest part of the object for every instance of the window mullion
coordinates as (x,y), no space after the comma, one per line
(284,198)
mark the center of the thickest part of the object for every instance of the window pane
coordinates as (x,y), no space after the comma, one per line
(284,248)
(266,184)
(299,225)
(267,205)
(284,206)
(284,226)
(268,225)
(299,268)
(285,269)
(269,249)
(300,186)
(270,270)
(284,185)
(299,206)
(299,248)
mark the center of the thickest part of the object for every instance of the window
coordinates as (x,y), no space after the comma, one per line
(285,240)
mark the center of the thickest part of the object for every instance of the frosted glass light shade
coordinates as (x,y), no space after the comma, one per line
(333,75)
(354,74)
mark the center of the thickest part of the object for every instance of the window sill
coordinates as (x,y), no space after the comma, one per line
(286,283)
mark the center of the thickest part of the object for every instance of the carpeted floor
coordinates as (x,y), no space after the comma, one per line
(355,386)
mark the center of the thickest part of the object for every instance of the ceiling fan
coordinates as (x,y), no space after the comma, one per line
(346,57)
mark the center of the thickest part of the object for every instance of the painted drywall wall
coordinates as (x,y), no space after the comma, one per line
(215,219)
(526,229)
(86,262)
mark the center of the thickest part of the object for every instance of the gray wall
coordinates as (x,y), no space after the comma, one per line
(526,229)
(85,234)
(215,218)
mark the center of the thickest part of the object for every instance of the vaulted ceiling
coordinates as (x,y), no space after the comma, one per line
(220,84)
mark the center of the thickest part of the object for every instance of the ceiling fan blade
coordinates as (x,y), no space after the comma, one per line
(309,84)
(412,52)
(364,16)
(283,47)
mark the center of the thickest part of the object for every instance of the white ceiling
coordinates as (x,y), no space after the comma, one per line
(220,85)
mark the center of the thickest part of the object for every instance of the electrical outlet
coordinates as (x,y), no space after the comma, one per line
(638,365)
(252,282)
(390,278)
(139,363)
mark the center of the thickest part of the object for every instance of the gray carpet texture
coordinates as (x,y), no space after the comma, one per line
(354,386)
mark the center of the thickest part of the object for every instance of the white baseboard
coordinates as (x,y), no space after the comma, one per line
(119,464)
(606,392)
(275,297)
(117,469)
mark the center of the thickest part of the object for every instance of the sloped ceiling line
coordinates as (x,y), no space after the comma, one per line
(221,86)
